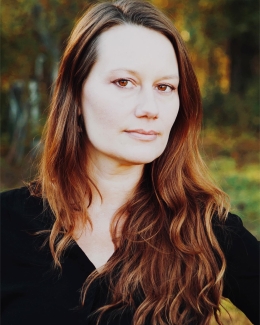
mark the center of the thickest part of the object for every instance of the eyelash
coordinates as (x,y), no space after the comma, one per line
(118,80)
(165,85)
(160,85)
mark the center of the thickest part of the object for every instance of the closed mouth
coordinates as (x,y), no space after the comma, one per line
(142,135)
(141,131)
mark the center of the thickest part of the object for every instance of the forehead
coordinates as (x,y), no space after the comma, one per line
(135,47)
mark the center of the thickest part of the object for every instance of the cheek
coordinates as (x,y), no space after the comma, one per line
(170,116)
(100,114)
(104,107)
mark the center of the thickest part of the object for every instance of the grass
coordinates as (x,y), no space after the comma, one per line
(243,187)
(235,166)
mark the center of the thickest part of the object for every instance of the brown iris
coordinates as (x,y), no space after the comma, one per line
(162,87)
(122,82)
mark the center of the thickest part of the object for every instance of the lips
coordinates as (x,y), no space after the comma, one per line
(141,134)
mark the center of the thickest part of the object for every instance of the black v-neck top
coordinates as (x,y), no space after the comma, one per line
(33,292)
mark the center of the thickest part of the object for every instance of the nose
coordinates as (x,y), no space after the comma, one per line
(146,105)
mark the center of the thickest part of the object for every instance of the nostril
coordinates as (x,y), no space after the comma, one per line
(147,110)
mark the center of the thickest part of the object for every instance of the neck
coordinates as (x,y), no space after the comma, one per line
(115,182)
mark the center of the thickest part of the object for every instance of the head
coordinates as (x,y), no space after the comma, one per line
(89,44)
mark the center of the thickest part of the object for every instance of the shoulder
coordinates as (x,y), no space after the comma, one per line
(25,223)
(19,209)
(241,278)
(233,237)
(14,198)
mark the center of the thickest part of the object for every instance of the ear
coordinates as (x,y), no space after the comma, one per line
(79,111)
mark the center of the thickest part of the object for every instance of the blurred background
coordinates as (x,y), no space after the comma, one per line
(222,37)
(223,41)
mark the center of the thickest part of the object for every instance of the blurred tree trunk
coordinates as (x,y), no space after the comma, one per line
(243,45)
(18,119)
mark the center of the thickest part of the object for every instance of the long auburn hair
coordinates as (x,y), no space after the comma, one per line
(167,252)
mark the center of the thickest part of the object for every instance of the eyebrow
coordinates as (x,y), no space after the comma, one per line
(174,76)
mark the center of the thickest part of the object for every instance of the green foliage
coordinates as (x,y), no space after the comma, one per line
(243,187)
(234,110)
(234,166)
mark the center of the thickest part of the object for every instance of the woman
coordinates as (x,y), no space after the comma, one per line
(122,203)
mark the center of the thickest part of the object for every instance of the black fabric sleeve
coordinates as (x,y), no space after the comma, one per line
(241,279)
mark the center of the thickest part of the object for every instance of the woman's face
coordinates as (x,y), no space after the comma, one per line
(130,98)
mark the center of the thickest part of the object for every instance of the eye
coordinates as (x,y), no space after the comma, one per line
(165,88)
(123,83)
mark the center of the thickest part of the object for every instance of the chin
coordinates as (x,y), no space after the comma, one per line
(142,159)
